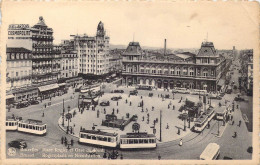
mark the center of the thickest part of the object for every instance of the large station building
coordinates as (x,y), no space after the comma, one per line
(186,70)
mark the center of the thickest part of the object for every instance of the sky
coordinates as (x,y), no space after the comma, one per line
(184,25)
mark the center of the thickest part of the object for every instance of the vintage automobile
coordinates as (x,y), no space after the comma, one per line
(118,91)
(34,102)
(22,104)
(134,92)
(103,103)
(116,98)
(19,143)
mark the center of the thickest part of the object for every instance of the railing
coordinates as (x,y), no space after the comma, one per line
(170,75)
(160,61)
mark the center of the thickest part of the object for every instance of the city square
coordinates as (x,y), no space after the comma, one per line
(84,97)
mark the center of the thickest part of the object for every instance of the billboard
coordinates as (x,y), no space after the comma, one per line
(19,35)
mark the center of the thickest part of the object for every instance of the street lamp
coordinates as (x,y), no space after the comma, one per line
(63,117)
(218,127)
(68,117)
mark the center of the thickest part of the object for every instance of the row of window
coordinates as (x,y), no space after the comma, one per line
(39,128)
(19,63)
(18,55)
(10,123)
(99,138)
(137,141)
(22,73)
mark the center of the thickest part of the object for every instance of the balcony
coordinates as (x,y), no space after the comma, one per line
(169,75)
(17,78)
(159,61)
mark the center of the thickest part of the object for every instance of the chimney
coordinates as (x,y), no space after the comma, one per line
(164,46)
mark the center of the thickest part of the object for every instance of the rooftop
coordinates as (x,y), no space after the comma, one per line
(133,48)
(98,132)
(17,50)
(138,135)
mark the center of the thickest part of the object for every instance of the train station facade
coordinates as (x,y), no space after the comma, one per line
(184,70)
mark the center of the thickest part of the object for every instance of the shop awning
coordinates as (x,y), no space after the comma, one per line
(48,87)
(9,96)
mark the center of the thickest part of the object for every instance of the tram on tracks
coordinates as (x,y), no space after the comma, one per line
(97,137)
(200,123)
(32,126)
(137,140)
(112,140)
(11,123)
(221,113)
(211,114)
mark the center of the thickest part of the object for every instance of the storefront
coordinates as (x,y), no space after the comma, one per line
(48,91)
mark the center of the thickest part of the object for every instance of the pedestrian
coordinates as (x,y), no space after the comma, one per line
(233,122)
(71,142)
(146,110)
(117,111)
(45,105)
(130,103)
(117,103)
(178,131)
(65,141)
(159,157)
(158,95)
(235,135)
(173,107)
(142,109)
(43,114)
(113,111)
(126,101)
(180,144)
(239,123)
(168,106)
(237,106)
(167,127)
(62,140)
(143,118)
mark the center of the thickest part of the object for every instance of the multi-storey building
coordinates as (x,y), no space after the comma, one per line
(69,65)
(93,53)
(187,70)
(246,58)
(42,47)
(115,61)
(19,74)
(57,60)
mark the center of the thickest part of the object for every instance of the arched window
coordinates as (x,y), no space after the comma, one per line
(205,72)
(178,70)
(191,71)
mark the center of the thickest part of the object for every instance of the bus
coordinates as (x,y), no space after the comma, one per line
(32,126)
(11,124)
(144,87)
(200,123)
(97,137)
(221,112)
(211,152)
(137,140)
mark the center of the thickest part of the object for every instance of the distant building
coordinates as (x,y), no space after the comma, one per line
(185,70)
(93,53)
(246,58)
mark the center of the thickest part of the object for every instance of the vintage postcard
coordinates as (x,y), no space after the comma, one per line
(133,82)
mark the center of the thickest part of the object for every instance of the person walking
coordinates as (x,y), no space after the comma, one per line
(62,140)
(180,144)
(117,111)
(167,127)
(239,123)
(43,114)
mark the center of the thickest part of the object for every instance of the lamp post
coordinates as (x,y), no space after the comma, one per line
(63,117)
(68,117)
(218,127)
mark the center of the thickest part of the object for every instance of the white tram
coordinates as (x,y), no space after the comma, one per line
(221,112)
(201,123)
(32,126)
(98,137)
(210,113)
(11,124)
(137,140)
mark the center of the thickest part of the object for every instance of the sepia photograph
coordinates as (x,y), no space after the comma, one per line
(117,81)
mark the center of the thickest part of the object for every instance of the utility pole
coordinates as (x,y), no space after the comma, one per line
(160,125)
(63,114)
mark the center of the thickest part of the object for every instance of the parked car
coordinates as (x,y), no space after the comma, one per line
(34,102)
(134,92)
(19,143)
(105,103)
(116,98)
(118,91)
(22,104)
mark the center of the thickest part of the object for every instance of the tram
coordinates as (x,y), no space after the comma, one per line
(137,140)
(201,123)
(221,112)
(98,137)
(11,124)
(32,126)
(210,113)
(112,140)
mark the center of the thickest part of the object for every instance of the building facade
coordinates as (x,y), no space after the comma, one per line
(246,59)
(42,54)
(69,64)
(93,52)
(185,70)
